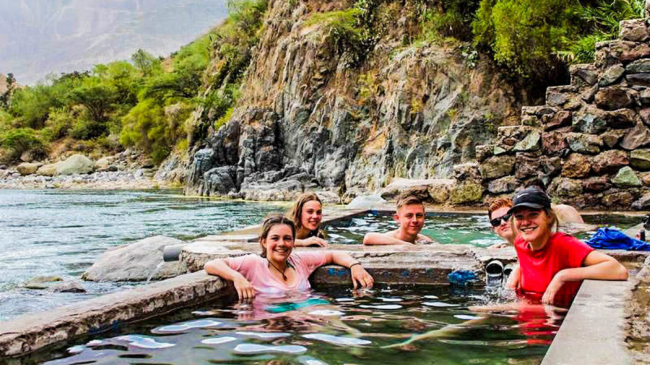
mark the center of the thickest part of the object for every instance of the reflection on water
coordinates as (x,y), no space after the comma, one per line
(336,327)
(61,233)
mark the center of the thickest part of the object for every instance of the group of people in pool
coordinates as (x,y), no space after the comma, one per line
(551,267)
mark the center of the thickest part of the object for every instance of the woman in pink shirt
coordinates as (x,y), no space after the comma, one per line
(277,270)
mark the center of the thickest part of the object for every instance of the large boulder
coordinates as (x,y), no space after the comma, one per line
(622,199)
(611,75)
(565,187)
(75,164)
(135,262)
(27,168)
(47,170)
(399,185)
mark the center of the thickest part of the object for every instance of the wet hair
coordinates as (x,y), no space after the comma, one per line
(408,198)
(498,203)
(295,214)
(272,221)
(536,183)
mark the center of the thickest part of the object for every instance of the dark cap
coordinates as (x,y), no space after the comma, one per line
(531,197)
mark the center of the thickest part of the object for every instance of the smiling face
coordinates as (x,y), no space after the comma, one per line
(504,229)
(311,215)
(410,218)
(278,243)
(533,225)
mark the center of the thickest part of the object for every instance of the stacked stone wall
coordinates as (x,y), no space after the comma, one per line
(590,142)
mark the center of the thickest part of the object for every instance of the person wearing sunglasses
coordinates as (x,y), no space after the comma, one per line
(500,221)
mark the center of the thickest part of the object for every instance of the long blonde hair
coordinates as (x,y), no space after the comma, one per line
(295,214)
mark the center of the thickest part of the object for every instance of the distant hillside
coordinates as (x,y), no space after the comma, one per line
(38,37)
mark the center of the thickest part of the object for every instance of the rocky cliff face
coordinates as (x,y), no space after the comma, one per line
(312,118)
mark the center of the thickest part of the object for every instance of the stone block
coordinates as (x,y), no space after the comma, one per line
(527,166)
(554,143)
(503,185)
(645,115)
(640,159)
(609,161)
(645,178)
(612,75)
(531,120)
(636,137)
(609,53)
(538,110)
(484,151)
(530,143)
(551,166)
(467,192)
(559,95)
(638,79)
(626,178)
(612,136)
(634,30)
(509,136)
(617,199)
(583,74)
(621,118)
(613,97)
(557,120)
(576,165)
(589,94)
(584,143)
(596,184)
(467,171)
(643,203)
(644,96)
(590,120)
(497,166)
(638,66)
(565,187)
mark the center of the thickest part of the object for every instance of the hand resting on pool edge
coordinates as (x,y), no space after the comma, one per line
(277,269)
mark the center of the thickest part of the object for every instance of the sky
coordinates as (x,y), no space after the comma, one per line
(41,37)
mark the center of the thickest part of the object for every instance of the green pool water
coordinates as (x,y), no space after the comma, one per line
(450,228)
(332,327)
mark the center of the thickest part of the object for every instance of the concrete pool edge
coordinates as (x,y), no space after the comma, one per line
(593,332)
(32,332)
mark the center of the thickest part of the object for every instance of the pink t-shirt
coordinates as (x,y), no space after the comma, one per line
(256,270)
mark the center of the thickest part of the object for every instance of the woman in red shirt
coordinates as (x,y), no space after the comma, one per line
(553,264)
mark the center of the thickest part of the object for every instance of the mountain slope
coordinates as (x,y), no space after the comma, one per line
(38,37)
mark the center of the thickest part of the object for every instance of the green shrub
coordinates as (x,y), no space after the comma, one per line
(21,140)
(59,124)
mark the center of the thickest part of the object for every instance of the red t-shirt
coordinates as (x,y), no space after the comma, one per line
(562,251)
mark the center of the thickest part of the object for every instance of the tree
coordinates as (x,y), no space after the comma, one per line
(5,97)
(146,63)
(98,100)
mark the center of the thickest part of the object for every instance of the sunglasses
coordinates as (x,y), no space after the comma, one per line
(497,221)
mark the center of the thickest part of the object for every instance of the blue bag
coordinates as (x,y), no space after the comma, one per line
(613,239)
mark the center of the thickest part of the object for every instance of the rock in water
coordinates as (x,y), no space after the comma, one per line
(134,262)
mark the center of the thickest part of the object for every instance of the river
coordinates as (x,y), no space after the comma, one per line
(61,233)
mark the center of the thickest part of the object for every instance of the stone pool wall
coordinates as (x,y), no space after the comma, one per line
(589,142)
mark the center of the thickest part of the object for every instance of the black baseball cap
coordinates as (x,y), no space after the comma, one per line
(532,197)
